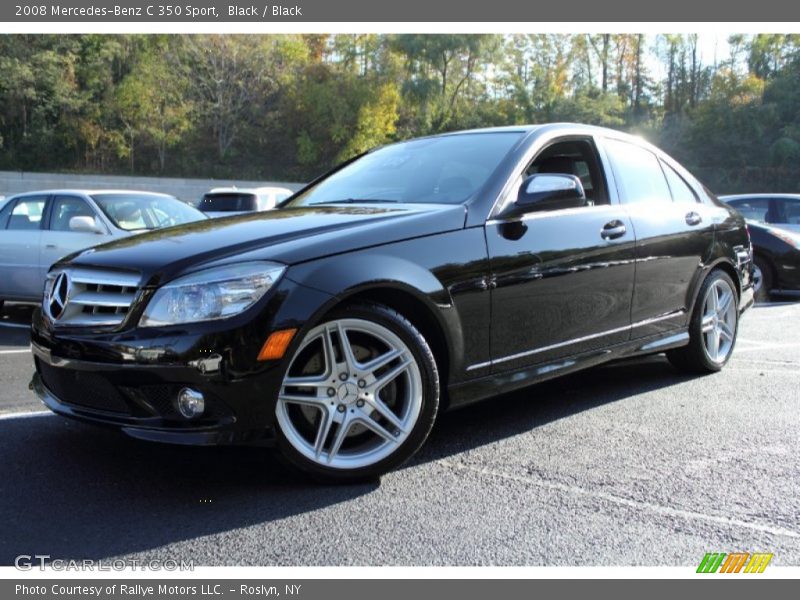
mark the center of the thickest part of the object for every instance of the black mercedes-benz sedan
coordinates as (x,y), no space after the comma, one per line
(417,277)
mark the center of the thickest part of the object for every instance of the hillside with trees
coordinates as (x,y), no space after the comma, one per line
(288,107)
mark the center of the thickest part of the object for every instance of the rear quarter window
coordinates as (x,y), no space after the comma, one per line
(639,173)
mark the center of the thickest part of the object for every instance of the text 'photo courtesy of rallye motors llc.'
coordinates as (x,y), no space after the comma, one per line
(415,278)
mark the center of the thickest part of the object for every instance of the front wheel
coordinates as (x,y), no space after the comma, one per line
(359,397)
(712,328)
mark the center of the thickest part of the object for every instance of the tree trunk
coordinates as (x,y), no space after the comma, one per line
(637,94)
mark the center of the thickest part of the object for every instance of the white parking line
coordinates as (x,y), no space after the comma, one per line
(21,351)
(652,507)
(788,363)
(25,415)
(15,325)
(767,305)
(791,372)
(765,346)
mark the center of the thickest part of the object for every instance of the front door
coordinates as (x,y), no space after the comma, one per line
(562,279)
(58,239)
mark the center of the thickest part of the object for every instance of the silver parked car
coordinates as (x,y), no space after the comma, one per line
(39,228)
(224,202)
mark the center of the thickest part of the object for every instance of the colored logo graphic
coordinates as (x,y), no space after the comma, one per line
(737,562)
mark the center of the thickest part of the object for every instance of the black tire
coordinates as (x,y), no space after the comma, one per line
(423,356)
(1,305)
(762,294)
(694,357)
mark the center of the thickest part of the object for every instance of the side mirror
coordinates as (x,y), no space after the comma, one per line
(84,225)
(548,191)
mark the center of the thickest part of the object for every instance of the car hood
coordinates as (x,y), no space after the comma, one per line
(288,236)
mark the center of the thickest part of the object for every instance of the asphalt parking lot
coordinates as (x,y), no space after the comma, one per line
(627,464)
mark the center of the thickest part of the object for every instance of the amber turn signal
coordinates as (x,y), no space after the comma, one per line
(276,344)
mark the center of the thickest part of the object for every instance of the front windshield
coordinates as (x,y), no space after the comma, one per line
(446,169)
(145,211)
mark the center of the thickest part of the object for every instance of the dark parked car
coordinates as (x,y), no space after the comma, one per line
(774,222)
(778,210)
(776,261)
(418,277)
(225,202)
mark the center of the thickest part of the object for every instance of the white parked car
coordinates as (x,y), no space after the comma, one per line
(39,228)
(224,202)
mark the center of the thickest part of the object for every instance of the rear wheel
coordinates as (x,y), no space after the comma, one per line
(359,397)
(712,329)
(762,278)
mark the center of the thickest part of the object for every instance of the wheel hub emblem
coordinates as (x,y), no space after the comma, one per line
(59,297)
(347,393)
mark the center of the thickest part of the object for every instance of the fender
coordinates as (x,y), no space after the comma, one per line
(348,275)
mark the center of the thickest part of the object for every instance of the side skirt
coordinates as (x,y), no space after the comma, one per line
(467,392)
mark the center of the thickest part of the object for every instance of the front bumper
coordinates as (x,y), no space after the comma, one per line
(130,378)
(140,401)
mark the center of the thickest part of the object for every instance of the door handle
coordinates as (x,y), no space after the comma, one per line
(613,230)
(50,246)
(693,218)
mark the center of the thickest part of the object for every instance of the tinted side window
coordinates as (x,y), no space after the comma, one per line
(66,207)
(27,213)
(755,209)
(639,173)
(681,192)
(573,157)
(789,210)
(228,202)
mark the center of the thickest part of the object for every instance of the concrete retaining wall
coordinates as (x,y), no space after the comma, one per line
(14,182)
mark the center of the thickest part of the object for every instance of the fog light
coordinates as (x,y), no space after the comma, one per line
(191,403)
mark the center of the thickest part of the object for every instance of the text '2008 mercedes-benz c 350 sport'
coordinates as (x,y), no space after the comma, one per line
(420,276)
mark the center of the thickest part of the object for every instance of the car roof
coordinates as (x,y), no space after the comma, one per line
(249,190)
(543,128)
(90,192)
(728,197)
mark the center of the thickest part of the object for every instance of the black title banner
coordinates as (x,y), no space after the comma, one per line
(440,11)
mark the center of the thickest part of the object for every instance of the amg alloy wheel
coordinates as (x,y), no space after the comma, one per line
(359,396)
(713,327)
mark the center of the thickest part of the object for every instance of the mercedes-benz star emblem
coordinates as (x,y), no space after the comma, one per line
(59,296)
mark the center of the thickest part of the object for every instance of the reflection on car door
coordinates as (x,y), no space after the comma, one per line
(563,278)
(58,240)
(674,234)
(20,236)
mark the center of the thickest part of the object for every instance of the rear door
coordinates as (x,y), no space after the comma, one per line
(674,234)
(20,238)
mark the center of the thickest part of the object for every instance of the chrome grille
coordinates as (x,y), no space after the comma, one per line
(89,297)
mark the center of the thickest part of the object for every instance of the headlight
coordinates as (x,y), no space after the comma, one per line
(212,294)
